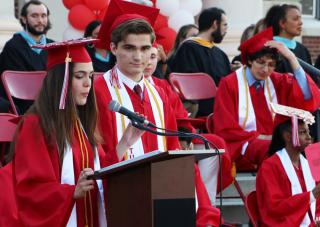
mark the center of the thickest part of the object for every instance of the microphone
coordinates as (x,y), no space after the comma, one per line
(116,107)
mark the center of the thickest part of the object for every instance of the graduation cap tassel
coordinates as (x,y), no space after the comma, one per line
(65,84)
(295,132)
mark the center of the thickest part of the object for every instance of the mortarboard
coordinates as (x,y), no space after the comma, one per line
(287,112)
(65,52)
(120,11)
(255,43)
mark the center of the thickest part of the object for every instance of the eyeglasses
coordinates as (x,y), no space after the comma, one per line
(262,64)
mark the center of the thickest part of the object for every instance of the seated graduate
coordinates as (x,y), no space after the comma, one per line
(286,191)
(242,110)
(56,146)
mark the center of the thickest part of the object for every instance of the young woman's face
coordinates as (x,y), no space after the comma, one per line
(81,82)
(292,24)
(153,61)
(304,136)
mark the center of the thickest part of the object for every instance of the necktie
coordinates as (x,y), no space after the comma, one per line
(137,89)
(257,85)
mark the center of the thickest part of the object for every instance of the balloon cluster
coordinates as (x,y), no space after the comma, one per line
(173,15)
(82,12)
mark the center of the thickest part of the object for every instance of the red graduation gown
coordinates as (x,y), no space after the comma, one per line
(41,199)
(226,113)
(8,207)
(107,120)
(277,206)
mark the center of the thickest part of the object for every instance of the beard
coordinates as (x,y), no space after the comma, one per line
(216,36)
(31,29)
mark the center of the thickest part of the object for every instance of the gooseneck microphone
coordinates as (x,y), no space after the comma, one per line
(116,107)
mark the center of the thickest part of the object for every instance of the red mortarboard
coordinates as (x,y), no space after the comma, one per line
(65,52)
(120,11)
(286,112)
(255,43)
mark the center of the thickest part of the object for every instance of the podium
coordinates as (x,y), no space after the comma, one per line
(153,190)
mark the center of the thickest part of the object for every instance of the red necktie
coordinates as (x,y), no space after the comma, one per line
(137,89)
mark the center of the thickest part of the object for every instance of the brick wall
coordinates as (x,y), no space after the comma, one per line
(313,45)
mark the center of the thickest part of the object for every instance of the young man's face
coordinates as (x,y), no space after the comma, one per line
(133,54)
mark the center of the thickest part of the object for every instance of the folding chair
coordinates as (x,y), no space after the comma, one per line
(7,131)
(251,205)
(194,86)
(22,85)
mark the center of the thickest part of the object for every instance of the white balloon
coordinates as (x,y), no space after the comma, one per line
(168,7)
(192,6)
(72,33)
(180,18)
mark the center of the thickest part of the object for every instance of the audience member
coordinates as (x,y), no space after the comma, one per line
(130,37)
(102,59)
(185,32)
(17,53)
(287,24)
(247,33)
(243,97)
(259,27)
(286,191)
(200,54)
(208,167)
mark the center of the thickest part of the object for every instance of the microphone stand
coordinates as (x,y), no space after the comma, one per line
(173,133)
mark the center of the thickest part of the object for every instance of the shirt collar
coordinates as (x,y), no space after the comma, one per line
(127,81)
(251,80)
(290,43)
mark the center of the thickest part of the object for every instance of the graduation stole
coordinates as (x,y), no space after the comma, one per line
(295,184)
(202,42)
(119,93)
(67,177)
(247,118)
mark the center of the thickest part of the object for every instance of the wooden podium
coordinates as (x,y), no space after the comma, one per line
(153,190)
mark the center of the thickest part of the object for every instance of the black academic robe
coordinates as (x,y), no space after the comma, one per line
(98,65)
(18,56)
(301,52)
(193,57)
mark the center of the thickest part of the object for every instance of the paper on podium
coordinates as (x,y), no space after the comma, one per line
(313,156)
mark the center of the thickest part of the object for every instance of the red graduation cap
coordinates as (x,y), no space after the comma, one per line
(287,112)
(120,11)
(255,43)
(65,52)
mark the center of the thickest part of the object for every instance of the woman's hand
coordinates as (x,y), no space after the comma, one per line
(129,137)
(83,185)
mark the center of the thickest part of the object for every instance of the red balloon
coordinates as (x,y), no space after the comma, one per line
(71,3)
(96,4)
(161,22)
(80,16)
(168,41)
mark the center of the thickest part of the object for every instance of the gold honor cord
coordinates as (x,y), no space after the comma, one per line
(123,123)
(159,111)
(83,148)
(247,97)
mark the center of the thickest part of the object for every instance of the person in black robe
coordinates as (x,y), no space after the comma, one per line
(17,54)
(287,24)
(102,59)
(200,54)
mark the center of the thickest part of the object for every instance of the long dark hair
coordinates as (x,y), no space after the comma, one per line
(58,125)
(278,142)
(276,14)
